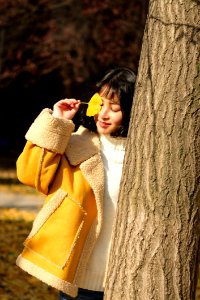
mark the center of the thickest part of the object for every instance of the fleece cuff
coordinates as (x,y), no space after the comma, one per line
(50,132)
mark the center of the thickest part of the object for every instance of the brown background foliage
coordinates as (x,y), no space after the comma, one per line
(50,50)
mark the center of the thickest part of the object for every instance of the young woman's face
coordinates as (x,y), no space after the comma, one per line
(110,117)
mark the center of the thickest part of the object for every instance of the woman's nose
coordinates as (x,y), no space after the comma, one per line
(104,112)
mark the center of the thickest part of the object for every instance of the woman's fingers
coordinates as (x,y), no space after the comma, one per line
(67,103)
(66,108)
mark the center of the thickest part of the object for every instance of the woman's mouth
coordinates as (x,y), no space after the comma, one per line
(103,124)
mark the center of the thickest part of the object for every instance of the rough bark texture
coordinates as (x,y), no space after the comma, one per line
(155,241)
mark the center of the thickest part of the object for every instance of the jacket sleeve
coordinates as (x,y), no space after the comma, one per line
(47,139)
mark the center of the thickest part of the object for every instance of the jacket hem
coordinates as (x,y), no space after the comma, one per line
(46,277)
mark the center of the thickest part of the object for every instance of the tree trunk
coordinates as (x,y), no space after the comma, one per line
(154,251)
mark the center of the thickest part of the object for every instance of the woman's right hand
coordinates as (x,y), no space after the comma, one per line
(66,108)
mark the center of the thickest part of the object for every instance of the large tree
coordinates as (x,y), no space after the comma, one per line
(154,250)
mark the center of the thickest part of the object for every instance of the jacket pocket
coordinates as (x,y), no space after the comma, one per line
(56,229)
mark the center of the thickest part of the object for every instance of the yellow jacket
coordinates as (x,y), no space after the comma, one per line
(66,167)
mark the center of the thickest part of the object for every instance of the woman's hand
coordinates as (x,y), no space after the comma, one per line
(66,109)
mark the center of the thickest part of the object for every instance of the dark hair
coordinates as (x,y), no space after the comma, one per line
(121,80)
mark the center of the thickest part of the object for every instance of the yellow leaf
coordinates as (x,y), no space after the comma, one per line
(94,105)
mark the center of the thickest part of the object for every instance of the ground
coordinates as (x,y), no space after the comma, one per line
(15,283)
(15,224)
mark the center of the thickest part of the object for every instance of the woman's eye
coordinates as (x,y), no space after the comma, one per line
(115,107)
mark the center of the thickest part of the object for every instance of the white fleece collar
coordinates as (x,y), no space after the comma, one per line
(82,145)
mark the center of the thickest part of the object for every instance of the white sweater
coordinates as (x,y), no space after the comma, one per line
(112,153)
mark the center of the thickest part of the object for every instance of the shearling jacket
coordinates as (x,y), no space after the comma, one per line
(68,169)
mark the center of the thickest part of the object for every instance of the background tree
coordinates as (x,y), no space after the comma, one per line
(74,37)
(55,49)
(155,243)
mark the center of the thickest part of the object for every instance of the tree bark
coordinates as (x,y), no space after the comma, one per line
(154,250)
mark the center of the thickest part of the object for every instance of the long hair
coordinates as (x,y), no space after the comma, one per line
(121,81)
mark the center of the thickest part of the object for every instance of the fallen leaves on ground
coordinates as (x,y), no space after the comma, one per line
(16,284)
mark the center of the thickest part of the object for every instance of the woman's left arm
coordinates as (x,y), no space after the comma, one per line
(47,140)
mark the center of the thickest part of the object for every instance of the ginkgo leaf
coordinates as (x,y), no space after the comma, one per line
(94,105)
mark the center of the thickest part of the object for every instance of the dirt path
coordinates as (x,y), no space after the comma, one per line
(19,200)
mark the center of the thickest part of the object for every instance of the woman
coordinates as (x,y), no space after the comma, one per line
(80,172)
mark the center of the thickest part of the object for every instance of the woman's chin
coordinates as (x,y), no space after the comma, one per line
(104,130)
